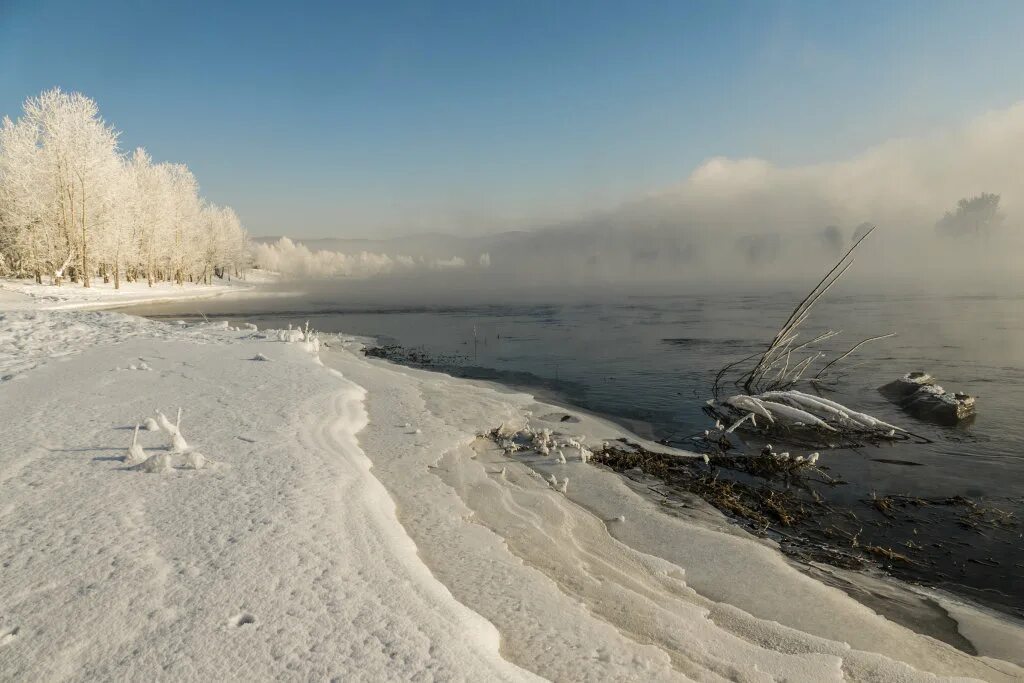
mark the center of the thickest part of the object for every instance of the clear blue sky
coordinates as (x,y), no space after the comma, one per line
(361,119)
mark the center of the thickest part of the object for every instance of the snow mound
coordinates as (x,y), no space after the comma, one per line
(195,460)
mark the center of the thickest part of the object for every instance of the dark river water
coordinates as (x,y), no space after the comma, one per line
(648,361)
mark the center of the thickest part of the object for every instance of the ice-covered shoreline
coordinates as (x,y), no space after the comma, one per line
(353,524)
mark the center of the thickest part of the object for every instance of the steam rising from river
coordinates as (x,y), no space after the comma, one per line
(736,221)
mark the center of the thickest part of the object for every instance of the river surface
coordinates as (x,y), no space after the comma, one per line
(648,361)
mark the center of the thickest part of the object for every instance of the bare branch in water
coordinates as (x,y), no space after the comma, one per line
(774,369)
(832,362)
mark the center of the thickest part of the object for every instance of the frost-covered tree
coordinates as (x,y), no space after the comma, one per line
(72,206)
(81,171)
(25,238)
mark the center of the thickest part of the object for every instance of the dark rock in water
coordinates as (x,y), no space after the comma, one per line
(918,394)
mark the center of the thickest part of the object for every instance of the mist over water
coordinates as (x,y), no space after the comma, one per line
(750,222)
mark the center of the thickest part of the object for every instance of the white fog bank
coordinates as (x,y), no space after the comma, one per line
(750,220)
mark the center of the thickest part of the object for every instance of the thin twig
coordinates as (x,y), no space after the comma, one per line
(855,347)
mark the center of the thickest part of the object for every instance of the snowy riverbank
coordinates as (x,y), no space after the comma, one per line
(27,295)
(351,524)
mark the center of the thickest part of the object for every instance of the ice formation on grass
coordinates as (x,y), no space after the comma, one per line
(307,336)
(135,453)
(796,409)
(178,443)
(150,425)
(164,423)
(290,335)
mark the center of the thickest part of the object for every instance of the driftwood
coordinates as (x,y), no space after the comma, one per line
(919,395)
(804,419)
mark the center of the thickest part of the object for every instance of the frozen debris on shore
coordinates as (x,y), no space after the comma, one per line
(792,409)
(541,441)
(260,356)
(150,425)
(919,395)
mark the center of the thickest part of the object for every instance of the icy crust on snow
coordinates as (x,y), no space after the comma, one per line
(283,561)
(592,581)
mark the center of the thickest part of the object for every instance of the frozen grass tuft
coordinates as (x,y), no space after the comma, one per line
(135,453)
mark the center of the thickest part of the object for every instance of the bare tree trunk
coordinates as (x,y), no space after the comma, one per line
(85,245)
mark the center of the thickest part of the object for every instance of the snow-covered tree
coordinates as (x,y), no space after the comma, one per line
(71,205)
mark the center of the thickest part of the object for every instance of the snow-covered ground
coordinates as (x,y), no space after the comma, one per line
(349,524)
(26,294)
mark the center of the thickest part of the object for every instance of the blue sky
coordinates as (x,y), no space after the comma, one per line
(376,119)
